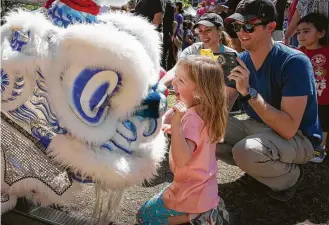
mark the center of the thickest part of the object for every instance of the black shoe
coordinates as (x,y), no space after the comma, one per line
(289,193)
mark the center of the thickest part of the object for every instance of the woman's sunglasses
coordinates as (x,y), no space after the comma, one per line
(247,27)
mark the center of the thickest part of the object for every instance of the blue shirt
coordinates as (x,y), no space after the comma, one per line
(286,72)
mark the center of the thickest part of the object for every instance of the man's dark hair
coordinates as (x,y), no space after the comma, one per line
(187,24)
(319,21)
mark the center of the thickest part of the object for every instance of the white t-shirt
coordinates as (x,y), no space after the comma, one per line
(196,47)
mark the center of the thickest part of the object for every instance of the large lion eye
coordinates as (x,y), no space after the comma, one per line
(90,92)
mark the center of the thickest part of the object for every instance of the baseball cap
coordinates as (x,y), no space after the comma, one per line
(247,10)
(210,20)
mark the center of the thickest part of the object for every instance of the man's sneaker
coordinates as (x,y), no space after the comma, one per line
(318,156)
(289,193)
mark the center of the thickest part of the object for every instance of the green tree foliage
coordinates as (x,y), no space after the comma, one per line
(6,6)
(186,3)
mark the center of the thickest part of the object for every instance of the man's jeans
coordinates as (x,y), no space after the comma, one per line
(263,154)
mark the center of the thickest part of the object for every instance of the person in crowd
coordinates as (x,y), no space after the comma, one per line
(210,28)
(207,6)
(226,9)
(179,18)
(277,88)
(167,61)
(280,6)
(152,10)
(188,37)
(195,123)
(291,11)
(124,8)
(178,31)
(303,8)
(131,6)
(105,9)
(311,34)
(229,7)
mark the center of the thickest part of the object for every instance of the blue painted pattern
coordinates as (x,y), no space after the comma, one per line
(16,91)
(153,125)
(4,80)
(114,146)
(43,135)
(99,95)
(63,15)
(19,39)
(131,129)
(77,177)
(36,114)
(24,114)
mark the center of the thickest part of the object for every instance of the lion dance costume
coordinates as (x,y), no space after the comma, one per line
(80,102)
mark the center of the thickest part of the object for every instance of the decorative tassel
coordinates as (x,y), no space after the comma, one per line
(114,199)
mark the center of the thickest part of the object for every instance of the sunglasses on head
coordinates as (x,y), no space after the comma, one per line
(247,27)
(204,31)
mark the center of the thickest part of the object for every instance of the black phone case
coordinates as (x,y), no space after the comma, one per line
(228,61)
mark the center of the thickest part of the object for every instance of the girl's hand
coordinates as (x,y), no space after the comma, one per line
(179,111)
(167,116)
(166,128)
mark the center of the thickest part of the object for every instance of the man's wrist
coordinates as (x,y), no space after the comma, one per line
(252,93)
(245,92)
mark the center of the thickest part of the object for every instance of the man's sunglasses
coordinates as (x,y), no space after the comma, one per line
(247,27)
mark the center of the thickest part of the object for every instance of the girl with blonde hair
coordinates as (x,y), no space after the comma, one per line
(196,123)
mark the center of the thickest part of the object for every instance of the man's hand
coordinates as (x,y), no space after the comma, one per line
(157,19)
(221,8)
(241,76)
(179,112)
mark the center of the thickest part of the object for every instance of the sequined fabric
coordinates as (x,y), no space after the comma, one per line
(22,159)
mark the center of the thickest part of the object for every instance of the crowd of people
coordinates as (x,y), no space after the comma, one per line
(281,82)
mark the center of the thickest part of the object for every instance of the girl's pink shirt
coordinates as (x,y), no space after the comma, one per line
(194,189)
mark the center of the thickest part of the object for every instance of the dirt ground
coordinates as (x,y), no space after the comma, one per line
(246,203)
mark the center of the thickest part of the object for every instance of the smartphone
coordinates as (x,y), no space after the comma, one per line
(228,61)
